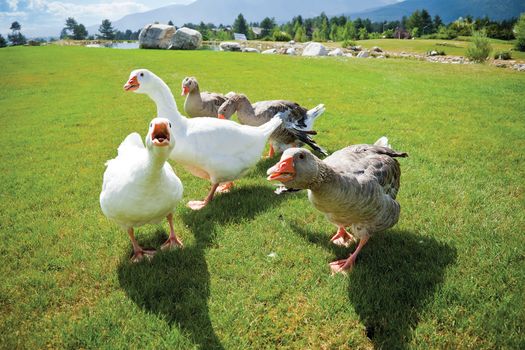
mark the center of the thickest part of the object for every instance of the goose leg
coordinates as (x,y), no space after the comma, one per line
(271,153)
(225,187)
(346,264)
(138,253)
(342,237)
(197,205)
(173,241)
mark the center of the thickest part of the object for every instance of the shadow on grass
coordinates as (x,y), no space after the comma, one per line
(176,284)
(394,278)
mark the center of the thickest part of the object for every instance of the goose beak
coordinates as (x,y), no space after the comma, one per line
(283,171)
(221,116)
(185,91)
(160,135)
(132,84)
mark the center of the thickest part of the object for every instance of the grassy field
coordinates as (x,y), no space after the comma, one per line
(451,274)
(451,47)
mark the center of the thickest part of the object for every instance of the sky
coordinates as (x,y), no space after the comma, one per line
(47,17)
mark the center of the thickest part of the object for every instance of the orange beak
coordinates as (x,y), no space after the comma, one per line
(160,135)
(185,90)
(132,84)
(282,171)
(221,116)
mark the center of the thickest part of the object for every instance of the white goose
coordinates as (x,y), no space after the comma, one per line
(140,187)
(210,148)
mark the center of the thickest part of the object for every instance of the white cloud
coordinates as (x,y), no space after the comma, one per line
(111,10)
(13,4)
(13,14)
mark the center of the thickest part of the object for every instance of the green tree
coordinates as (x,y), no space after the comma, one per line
(16,38)
(80,32)
(437,22)
(15,26)
(426,22)
(300,35)
(363,33)
(480,48)
(519,32)
(240,25)
(349,32)
(3,42)
(267,26)
(170,22)
(106,30)
(71,23)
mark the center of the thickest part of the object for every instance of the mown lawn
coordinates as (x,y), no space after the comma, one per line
(451,47)
(451,274)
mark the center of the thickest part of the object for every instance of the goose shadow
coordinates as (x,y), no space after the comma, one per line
(176,285)
(395,276)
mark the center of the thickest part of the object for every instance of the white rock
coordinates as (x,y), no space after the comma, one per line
(269,52)
(363,54)
(315,49)
(336,52)
(250,49)
(156,36)
(348,55)
(186,39)
(290,51)
(230,46)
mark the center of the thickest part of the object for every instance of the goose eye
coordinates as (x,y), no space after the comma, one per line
(151,125)
(169,125)
(141,74)
(301,156)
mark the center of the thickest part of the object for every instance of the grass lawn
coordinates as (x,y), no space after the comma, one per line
(451,47)
(451,274)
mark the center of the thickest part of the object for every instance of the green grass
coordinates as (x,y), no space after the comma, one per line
(451,274)
(451,47)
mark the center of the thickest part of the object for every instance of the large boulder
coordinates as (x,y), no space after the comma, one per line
(315,49)
(230,46)
(186,39)
(156,36)
(363,54)
(269,52)
(336,52)
(250,49)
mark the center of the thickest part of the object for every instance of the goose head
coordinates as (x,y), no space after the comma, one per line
(160,136)
(227,109)
(231,105)
(298,168)
(188,85)
(141,81)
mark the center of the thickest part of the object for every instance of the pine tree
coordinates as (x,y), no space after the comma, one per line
(16,38)
(3,42)
(240,25)
(106,30)
(80,32)
(267,25)
(519,31)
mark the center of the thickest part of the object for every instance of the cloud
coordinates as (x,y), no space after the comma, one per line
(111,10)
(13,14)
(13,4)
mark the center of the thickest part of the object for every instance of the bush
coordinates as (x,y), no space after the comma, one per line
(281,36)
(503,55)
(519,32)
(480,48)
(347,43)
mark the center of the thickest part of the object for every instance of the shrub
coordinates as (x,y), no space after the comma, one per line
(479,49)
(503,55)
(519,32)
(3,42)
(347,43)
(281,36)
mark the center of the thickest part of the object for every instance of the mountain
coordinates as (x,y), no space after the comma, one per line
(225,11)
(448,10)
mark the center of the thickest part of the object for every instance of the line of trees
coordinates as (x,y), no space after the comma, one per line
(77,31)
(322,28)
